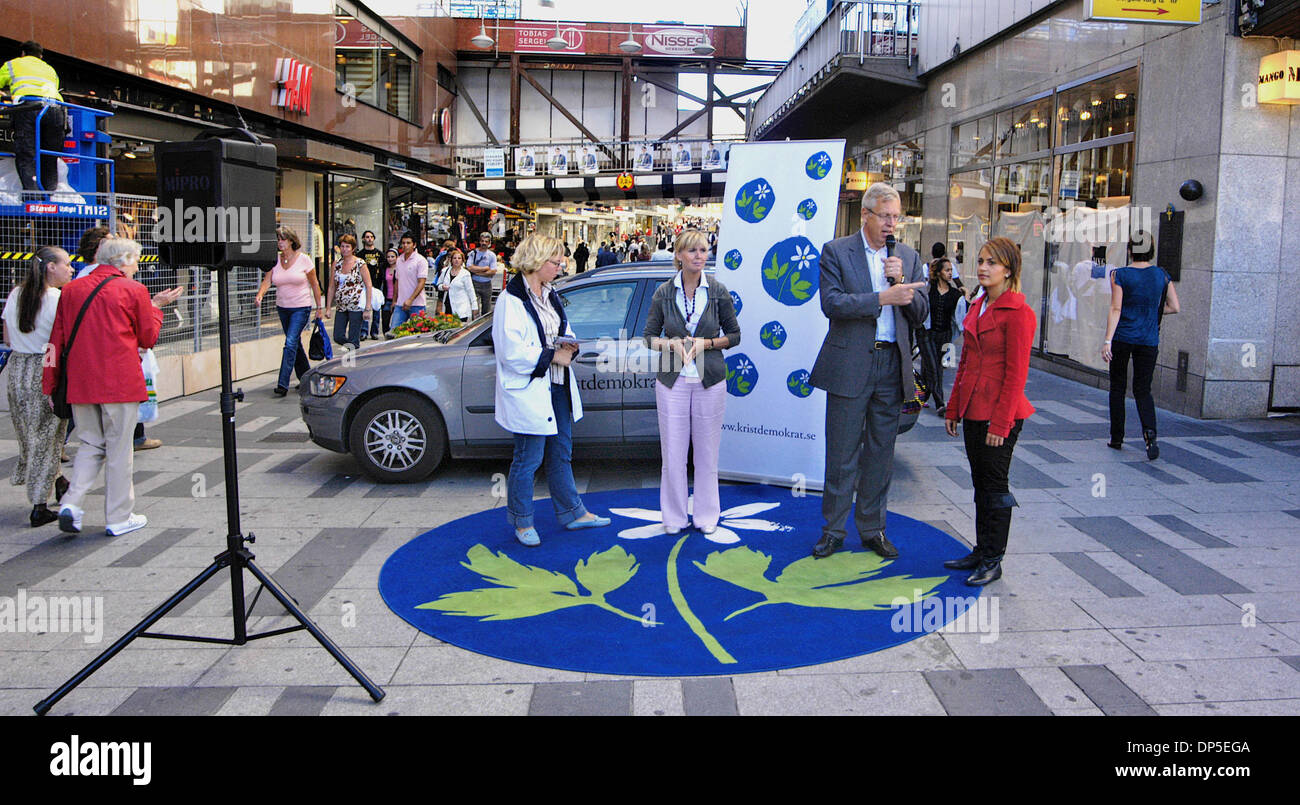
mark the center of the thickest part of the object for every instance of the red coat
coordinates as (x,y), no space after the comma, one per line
(105,358)
(994,366)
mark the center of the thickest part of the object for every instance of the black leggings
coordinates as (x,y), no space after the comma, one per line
(1144,366)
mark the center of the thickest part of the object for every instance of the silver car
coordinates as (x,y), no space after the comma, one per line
(400,407)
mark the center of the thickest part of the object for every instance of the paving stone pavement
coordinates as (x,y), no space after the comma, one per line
(1130,588)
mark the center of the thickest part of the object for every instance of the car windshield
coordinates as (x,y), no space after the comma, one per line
(453,336)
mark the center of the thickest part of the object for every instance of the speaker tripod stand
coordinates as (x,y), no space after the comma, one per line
(237,558)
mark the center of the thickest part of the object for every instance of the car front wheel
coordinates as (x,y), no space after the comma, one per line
(398,438)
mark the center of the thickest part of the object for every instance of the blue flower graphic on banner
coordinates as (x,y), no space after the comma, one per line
(772,335)
(791,271)
(735,301)
(732,260)
(818,165)
(807,209)
(742,375)
(754,200)
(797,383)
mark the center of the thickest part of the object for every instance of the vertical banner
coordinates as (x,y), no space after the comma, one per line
(778,211)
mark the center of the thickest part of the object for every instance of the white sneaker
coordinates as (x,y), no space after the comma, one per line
(133,523)
(70,519)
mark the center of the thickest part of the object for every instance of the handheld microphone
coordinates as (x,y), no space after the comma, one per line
(889,252)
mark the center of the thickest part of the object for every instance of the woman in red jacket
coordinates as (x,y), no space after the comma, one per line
(989,397)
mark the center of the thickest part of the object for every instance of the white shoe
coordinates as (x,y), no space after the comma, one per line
(70,519)
(133,523)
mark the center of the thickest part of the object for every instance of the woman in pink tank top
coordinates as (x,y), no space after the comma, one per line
(297,300)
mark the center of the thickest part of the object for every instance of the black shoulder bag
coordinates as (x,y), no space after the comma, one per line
(60,396)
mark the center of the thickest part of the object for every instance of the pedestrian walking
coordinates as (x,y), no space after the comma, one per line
(1140,294)
(28,321)
(105,382)
(297,300)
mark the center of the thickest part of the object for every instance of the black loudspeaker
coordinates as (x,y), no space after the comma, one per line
(216,200)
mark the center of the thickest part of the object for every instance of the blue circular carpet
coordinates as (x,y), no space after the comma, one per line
(629,599)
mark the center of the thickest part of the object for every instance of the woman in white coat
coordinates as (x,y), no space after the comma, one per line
(457,287)
(537,396)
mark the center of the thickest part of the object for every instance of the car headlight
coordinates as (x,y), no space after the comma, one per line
(326,385)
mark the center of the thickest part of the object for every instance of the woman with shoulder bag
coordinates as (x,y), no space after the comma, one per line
(104,380)
(297,300)
(988,397)
(28,319)
(692,319)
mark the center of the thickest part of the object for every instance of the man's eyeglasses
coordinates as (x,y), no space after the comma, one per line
(889,219)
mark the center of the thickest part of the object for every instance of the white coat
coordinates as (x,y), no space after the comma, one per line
(523,402)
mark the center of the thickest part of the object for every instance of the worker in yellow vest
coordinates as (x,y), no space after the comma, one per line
(33,85)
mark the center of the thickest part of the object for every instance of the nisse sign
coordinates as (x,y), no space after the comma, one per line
(1170,12)
(1279,78)
(672,41)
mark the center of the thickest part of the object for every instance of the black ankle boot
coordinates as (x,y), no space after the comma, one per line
(1153,449)
(42,515)
(989,570)
(968,562)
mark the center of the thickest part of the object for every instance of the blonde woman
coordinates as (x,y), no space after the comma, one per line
(692,320)
(536,395)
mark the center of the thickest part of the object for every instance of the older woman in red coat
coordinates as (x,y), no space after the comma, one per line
(105,382)
(988,396)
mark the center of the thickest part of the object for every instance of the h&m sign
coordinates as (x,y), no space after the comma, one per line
(292,86)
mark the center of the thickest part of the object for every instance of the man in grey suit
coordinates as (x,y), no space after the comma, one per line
(865,367)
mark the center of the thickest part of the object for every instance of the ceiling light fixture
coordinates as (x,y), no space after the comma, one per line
(557,42)
(482,40)
(704,47)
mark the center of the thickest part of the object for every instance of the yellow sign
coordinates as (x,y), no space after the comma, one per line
(855,180)
(1172,12)
(1279,78)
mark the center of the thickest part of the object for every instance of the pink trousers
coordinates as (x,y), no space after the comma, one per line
(689,413)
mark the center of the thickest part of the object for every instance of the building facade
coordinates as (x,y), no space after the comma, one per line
(1065,133)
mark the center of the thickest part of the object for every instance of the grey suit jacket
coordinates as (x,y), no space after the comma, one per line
(852,305)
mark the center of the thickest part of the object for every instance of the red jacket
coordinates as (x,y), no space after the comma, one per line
(994,366)
(104,365)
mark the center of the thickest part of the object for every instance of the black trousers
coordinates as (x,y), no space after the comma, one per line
(989,471)
(1144,366)
(931,343)
(53,125)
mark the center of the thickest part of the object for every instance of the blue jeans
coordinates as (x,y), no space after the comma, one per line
(379,319)
(531,452)
(348,327)
(293,320)
(401,314)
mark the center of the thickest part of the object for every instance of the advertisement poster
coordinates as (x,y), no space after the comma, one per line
(558,162)
(779,211)
(525,162)
(588,161)
(682,157)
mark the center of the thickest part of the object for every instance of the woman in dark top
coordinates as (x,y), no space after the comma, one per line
(1140,293)
(944,296)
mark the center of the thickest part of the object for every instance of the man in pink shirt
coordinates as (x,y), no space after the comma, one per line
(409,276)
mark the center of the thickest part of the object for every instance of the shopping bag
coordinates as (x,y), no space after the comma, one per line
(149,408)
(320,348)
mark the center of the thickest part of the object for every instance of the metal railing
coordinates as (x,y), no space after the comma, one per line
(190,325)
(646,155)
(868,30)
(75,151)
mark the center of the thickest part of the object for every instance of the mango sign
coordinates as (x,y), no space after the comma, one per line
(1279,78)
(1169,12)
